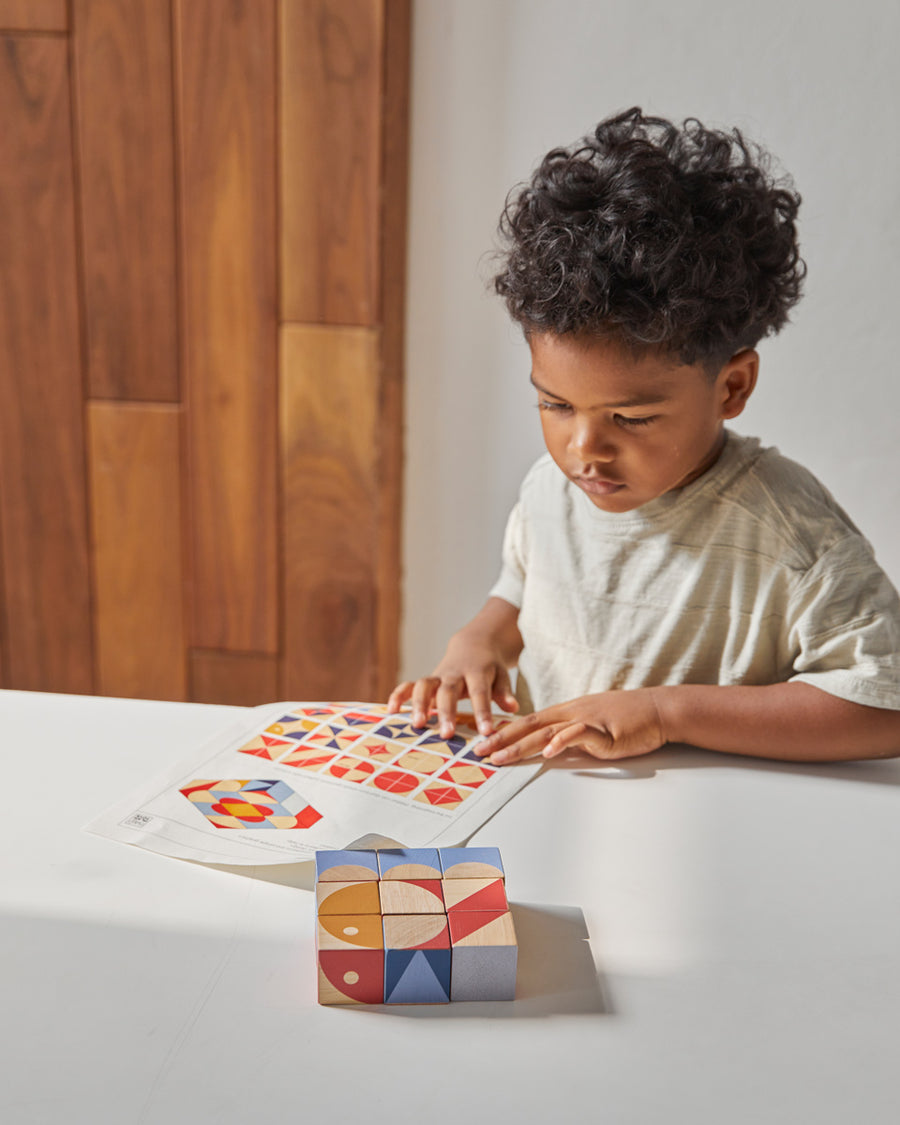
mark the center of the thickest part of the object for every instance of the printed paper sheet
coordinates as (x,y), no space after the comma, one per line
(293,777)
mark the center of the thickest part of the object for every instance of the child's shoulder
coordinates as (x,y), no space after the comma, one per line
(787,501)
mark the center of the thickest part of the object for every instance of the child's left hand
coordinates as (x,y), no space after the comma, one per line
(610,725)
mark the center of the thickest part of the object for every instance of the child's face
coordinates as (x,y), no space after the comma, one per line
(627,429)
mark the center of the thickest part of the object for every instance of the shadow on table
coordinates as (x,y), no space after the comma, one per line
(677,757)
(556,975)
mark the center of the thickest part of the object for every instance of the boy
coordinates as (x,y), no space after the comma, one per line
(665,579)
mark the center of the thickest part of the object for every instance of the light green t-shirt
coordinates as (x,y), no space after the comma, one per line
(752,574)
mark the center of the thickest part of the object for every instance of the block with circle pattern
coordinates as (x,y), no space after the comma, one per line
(471,863)
(411,896)
(350,957)
(409,863)
(348,898)
(346,866)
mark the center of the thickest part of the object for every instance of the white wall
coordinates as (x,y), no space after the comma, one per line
(498,82)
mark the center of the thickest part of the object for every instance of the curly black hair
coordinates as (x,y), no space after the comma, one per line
(660,237)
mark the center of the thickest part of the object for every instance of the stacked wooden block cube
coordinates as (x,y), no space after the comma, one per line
(413,926)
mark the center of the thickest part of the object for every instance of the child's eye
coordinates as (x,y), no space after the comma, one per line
(629,423)
(557,407)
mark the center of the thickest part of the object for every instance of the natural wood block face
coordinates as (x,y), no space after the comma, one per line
(348,898)
(123,58)
(419,896)
(43,485)
(331,85)
(409,863)
(33,15)
(329,451)
(136,525)
(471,863)
(416,931)
(474,894)
(226,128)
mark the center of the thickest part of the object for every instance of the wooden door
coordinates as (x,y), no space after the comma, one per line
(201,302)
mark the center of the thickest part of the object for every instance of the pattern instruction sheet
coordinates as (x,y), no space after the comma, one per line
(290,778)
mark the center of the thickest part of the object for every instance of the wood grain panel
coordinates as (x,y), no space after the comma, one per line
(331,83)
(329,447)
(243,679)
(123,58)
(136,540)
(42,477)
(33,15)
(395,175)
(226,69)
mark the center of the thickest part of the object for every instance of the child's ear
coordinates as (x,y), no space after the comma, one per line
(737,380)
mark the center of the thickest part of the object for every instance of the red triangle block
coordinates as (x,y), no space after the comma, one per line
(466,922)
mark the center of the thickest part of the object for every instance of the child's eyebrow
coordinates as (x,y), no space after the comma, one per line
(648,398)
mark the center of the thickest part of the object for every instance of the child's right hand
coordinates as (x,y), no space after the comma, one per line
(475,666)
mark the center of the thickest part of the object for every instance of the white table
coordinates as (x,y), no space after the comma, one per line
(743,964)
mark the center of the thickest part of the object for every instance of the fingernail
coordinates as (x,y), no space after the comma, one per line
(499,757)
(486,726)
(446,730)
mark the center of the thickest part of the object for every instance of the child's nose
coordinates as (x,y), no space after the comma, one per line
(593,442)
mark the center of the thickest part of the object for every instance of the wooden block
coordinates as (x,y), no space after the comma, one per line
(346,866)
(348,898)
(417,959)
(471,863)
(350,956)
(409,863)
(474,894)
(484,955)
(411,896)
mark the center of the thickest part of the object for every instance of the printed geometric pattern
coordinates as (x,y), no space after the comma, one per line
(364,744)
(424,956)
(230,803)
(264,746)
(444,796)
(308,758)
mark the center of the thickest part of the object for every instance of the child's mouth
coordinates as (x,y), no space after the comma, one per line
(597,486)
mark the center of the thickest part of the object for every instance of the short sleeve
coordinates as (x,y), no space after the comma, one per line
(511,584)
(845,627)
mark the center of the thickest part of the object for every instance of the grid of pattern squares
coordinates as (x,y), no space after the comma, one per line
(367,745)
(413,926)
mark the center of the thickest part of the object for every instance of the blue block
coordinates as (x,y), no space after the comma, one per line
(409,863)
(417,976)
(346,866)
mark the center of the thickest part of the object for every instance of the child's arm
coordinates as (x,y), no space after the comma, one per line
(788,722)
(476,664)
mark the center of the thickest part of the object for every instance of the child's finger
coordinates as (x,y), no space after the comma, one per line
(502,694)
(527,747)
(480,694)
(399,695)
(448,695)
(422,696)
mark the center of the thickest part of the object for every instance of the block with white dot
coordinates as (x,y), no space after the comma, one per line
(413,926)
